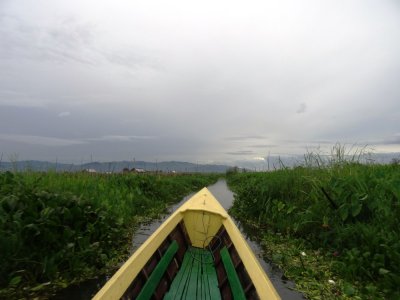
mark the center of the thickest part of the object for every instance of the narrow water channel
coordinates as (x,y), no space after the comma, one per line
(225,196)
(284,288)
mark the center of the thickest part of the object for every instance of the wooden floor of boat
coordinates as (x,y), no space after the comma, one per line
(197,277)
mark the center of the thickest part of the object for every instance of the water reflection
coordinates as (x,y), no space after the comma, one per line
(145,230)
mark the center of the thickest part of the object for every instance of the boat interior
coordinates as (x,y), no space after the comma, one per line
(183,269)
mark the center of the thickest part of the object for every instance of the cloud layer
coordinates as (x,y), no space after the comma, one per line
(197,81)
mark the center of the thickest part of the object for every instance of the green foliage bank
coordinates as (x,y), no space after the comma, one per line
(56,229)
(345,216)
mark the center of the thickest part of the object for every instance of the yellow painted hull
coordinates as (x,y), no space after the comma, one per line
(203,218)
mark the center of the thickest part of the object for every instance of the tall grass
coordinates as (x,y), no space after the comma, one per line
(123,195)
(57,228)
(343,207)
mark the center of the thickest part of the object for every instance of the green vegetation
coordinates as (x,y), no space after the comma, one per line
(60,228)
(344,217)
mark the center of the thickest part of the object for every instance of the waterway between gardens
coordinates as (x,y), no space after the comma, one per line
(221,191)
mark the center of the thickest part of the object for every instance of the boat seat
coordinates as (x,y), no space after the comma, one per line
(196,279)
(233,278)
(158,272)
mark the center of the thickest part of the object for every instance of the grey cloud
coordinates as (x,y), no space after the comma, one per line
(391,140)
(69,40)
(65,42)
(302,108)
(64,114)
(131,57)
(122,138)
(160,85)
(70,33)
(240,152)
(245,138)
(52,141)
(39,140)
(309,142)
(20,99)
(263,146)
(395,141)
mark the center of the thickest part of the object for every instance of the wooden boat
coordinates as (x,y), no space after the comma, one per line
(197,253)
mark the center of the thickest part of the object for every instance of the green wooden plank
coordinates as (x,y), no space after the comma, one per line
(208,277)
(168,296)
(198,257)
(202,277)
(181,278)
(233,278)
(189,275)
(196,279)
(213,289)
(204,260)
(158,272)
(191,292)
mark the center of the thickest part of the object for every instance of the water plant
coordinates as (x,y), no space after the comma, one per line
(60,228)
(346,210)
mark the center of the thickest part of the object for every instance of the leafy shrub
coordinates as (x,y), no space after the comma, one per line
(64,227)
(348,208)
(45,234)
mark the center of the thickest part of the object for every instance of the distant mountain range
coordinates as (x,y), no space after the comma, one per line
(114,167)
(269,163)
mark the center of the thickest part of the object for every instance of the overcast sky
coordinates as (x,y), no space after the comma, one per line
(200,81)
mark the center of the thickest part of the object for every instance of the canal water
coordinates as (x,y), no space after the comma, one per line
(284,288)
(225,196)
